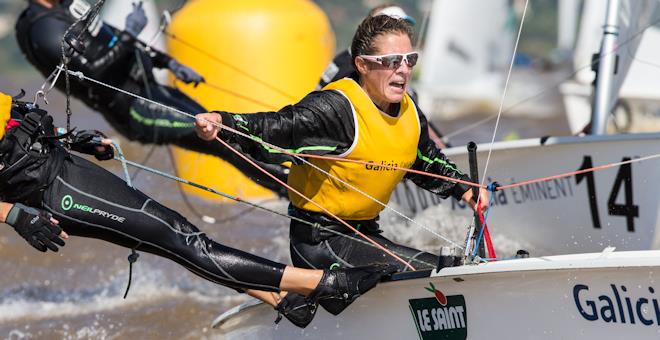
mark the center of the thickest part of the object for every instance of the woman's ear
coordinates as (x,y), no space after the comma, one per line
(361,65)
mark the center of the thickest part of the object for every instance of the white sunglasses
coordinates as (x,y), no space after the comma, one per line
(393,61)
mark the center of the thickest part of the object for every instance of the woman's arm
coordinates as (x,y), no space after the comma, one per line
(431,159)
(321,123)
(4,210)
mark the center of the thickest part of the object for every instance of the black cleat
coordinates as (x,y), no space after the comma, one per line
(297,309)
(339,288)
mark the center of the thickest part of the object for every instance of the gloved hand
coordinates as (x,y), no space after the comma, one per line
(136,20)
(184,73)
(90,142)
(36,227)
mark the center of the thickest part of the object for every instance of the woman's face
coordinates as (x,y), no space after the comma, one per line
(386,85)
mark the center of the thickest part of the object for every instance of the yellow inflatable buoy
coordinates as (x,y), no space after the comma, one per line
(256,55)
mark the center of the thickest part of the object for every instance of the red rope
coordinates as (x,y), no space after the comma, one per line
(423,173)
(379,246)
(487,239)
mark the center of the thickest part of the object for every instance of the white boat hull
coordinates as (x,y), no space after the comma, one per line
(562,216)
(586,296)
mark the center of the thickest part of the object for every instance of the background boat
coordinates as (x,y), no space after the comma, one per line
(579,213)
(639,95)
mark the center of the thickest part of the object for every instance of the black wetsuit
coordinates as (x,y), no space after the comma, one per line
(322,121)
(91,202)
(115,58)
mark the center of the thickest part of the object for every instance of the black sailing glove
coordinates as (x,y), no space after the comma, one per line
(89,142)
(136,20)
(35,226)
(184,73)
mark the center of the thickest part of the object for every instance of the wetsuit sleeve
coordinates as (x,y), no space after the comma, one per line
(47,37)
(159,59)
(321,123)
(431,159)
(118,47)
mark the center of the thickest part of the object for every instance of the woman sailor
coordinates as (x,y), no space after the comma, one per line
(366,117)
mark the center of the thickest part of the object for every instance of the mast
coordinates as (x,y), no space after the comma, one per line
(606,67)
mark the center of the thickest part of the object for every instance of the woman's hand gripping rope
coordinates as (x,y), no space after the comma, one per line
(207,125)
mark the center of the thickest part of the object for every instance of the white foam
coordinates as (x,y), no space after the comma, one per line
(452,224)
(147,287)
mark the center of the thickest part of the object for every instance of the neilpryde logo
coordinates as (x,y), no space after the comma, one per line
(67,202)
(440,317)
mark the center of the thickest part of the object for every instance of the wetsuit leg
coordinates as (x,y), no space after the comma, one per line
(91,202)
(331,251)
(151,123)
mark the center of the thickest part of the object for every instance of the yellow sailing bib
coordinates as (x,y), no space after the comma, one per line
(379,139)
(5,112)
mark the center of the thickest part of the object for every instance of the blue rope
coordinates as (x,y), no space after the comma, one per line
(491,187)
(487,259)
(123,161)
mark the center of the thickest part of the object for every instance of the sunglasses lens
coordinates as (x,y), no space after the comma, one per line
(392,61)
(411,59)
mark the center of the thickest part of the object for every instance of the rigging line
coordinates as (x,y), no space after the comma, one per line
(500,187)
(238,95)
(577,172)
(640,60)
(165,19)
(145,160)
(123,161)
(301,158)
(145,81)
(472,228)
(391,167)
(506,87)
(422,27)
(260,207)
(83,76)
(340,220)
(555,85)
(87,18)
(220,61)
(184,196)
(504,187)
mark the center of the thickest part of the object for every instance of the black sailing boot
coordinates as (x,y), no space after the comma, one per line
(339,288)
(297,309)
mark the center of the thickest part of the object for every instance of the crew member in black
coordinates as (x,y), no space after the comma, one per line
(119,59)
(43,187)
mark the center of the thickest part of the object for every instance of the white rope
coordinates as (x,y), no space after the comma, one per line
(472,228)
(506,87)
